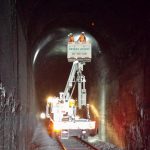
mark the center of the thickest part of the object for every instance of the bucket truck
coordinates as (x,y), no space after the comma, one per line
(62,111)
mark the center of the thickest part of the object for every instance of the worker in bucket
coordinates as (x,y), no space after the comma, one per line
(71,37)
(82,38)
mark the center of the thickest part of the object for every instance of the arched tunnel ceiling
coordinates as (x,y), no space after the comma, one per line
(51,68)
(114,25)
(117,18)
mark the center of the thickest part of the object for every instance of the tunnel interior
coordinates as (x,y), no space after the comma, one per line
(34,45)
(115,90)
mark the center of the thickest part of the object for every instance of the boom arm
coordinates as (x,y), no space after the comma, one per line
(77,67)
(74,68)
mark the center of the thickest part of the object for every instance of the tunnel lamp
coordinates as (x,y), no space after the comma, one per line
(49,99)
(42,115)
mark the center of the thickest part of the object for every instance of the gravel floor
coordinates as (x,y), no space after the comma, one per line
(102,145)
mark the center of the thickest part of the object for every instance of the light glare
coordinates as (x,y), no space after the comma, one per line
(42,115)
(49,99)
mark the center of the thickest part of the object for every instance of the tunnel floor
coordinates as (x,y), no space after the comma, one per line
(42,141)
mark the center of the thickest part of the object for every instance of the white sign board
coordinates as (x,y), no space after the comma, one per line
(79,51)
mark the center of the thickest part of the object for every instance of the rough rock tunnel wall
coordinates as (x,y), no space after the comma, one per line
(16,107)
